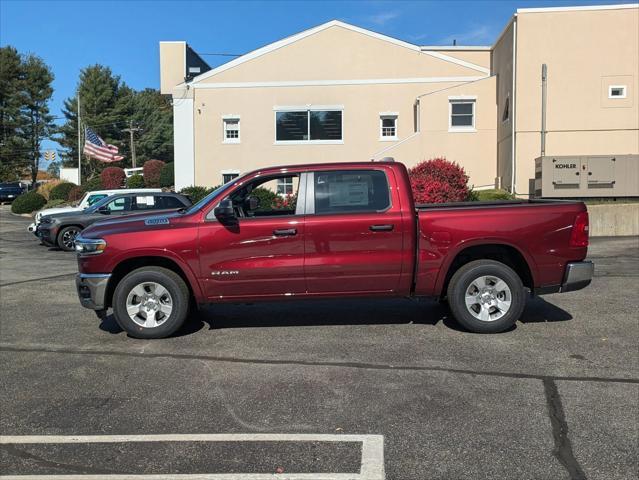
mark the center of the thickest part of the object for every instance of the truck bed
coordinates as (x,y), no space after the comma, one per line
(535,231)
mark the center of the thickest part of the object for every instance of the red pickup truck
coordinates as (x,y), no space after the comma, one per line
(331,230)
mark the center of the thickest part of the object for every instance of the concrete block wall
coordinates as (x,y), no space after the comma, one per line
(614,220)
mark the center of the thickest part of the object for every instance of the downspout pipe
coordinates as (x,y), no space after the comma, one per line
(513,152)
(544,84)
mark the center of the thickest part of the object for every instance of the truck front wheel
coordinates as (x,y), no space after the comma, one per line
(151,302)
(486,296)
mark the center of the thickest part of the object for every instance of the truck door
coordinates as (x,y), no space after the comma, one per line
(262,255)
(354,233)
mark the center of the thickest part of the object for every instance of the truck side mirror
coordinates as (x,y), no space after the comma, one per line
(224,212)
(104,210)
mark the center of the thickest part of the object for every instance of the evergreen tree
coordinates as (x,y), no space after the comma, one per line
(153,113)
(14,149)
(37,92)
(25,92)
(107,104)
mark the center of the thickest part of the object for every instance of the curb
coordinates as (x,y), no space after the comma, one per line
(24,215)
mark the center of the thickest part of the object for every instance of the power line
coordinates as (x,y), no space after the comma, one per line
(222,54)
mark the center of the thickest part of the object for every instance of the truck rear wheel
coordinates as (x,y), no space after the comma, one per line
(151,302)
(486,296)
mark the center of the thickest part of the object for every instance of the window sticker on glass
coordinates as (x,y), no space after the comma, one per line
(347,194)
(146,200)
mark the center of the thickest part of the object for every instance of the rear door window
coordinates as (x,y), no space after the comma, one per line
(146,202)
(351,191)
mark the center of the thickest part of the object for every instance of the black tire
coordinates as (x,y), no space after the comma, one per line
(66,236)
(462,282)
(179,295)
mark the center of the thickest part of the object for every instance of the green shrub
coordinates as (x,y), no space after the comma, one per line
(492,194)
(93,184)
(54,203)
(61,191)
(28,202)
(267,198)
(135,181)
(167,175)
(195,193)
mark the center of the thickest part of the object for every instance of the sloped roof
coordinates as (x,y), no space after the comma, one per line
(320,28)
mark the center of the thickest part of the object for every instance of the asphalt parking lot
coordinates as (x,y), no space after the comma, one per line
(318,390)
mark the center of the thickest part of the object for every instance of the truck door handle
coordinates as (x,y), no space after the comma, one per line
(381,228)
(287,232)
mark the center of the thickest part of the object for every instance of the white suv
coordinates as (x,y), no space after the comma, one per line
(87,200)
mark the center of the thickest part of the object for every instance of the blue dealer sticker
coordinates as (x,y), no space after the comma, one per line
(156,221)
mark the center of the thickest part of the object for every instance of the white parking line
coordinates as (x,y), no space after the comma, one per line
(372,466)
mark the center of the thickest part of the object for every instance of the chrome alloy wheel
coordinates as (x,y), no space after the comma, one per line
(488,298)
(149,304)
(68,238)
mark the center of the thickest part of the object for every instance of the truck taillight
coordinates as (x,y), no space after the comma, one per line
(579,235)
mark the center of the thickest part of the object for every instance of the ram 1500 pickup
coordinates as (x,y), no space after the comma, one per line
(331,231)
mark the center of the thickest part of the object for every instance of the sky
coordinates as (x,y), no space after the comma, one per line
(124,35)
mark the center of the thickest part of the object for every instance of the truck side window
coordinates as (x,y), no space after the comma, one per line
(351,191)
(166,201)
(273,196)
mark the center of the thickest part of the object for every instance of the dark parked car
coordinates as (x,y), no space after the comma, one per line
(62,228)
(9,191)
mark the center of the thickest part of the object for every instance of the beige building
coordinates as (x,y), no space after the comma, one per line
(338,92)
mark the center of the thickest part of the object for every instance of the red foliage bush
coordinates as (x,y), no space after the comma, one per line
(112,177)
(76,193)
(438,181)
(152,170)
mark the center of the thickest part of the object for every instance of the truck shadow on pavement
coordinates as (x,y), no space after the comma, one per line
(339,312)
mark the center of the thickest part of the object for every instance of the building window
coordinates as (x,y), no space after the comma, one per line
(285,186)
(617,91)
(231,129)
(506,115)
(308,126)
(462,115)
(229,175)
(387,126)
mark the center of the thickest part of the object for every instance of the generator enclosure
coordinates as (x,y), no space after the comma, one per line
(587,176)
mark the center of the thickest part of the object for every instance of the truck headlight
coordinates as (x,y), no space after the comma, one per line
(45,220)
(89,246)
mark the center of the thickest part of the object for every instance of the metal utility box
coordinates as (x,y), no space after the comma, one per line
(587,176)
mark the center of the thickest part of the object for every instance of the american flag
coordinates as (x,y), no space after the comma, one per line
(95,147)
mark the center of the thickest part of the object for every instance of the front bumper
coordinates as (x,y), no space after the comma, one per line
(92,289)
(578,275)
(47,233)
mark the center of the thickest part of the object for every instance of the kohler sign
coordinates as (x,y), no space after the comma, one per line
(566,165)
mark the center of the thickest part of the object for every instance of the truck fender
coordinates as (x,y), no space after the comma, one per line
(456,249)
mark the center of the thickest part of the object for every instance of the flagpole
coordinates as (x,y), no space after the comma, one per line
(79,143)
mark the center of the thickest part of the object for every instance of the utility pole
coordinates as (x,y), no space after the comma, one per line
(79,143)
(132,130)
